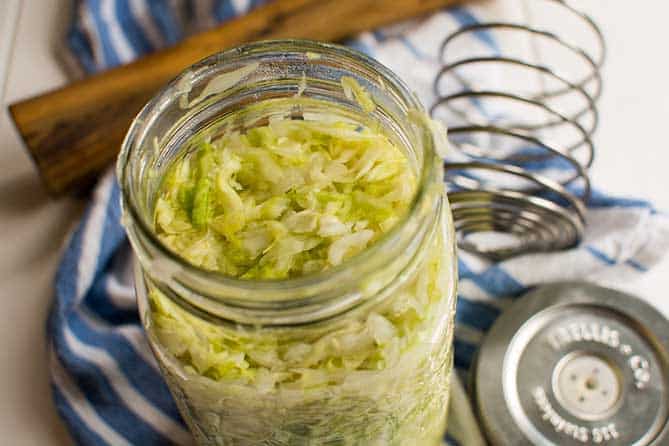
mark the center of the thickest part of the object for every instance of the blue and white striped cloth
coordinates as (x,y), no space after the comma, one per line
(106,384)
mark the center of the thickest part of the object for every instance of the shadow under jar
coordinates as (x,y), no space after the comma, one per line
(357,354)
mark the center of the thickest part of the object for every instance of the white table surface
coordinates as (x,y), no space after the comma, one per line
(632,160)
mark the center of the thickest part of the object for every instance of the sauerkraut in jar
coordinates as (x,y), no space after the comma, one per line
(296,273)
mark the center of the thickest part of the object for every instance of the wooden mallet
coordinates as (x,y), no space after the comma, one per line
(73,133)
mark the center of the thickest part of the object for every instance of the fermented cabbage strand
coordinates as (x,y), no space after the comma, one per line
(282,200)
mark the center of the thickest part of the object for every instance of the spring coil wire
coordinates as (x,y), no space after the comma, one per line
(521,150)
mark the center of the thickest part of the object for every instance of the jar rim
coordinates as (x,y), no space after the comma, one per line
(133,142)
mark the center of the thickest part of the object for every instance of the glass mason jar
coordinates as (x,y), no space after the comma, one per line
(359,354)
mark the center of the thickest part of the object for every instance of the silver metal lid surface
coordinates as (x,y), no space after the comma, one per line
(575,364)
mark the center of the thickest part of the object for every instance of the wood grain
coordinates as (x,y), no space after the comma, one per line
(75,132)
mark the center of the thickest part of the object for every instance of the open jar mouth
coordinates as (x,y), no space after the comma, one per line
(280,65)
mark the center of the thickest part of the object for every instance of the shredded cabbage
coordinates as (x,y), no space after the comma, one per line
(285,199)
(353,91)
(217,85)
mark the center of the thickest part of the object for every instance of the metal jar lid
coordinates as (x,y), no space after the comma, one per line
(575,364)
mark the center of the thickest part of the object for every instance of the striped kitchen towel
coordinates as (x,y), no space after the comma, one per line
(106,384)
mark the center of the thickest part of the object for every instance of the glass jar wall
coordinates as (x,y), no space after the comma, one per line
(357,354)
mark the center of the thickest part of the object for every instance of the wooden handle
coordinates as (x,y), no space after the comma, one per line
(75,132)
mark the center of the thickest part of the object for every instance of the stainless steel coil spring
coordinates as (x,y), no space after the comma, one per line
(521,112)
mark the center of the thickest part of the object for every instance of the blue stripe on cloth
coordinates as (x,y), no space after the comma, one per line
(476,314)
(496,281)
(637,265)
(600,200)
(67,275)
(79,430)
(361,46)
(98,301)
(113,232)
(463,269)
(610,261)
(145,379)
(417,53)
(224,10)
(550,162)
(463,354)
(131,28)
(81,46)
(600,255)
(102,396)
(382,37)
(463,173)
(379,35)
(111,57)
(166,20)
(466,18)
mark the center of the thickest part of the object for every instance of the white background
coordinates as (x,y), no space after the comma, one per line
(633,160)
